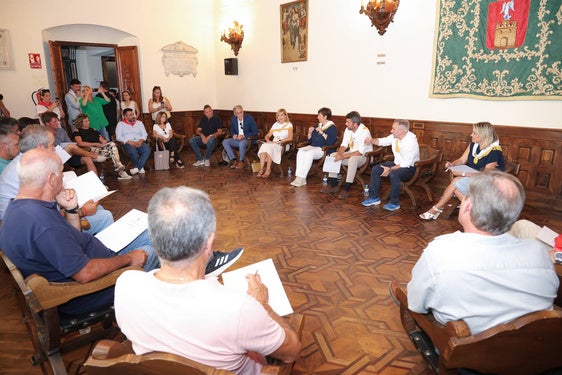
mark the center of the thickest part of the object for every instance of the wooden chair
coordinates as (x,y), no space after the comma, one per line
(290,149)
(115,358)
(372,158)
(426,169)
(527,345)
(251,148)
(217,152)
(52,333)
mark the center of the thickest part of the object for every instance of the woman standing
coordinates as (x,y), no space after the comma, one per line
(159,103)
(484,152)
(162,130)
(93,107)
(323,134)
(46,105)
(276,138)
(128,103)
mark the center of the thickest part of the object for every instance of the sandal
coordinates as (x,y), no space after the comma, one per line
(428,215)
(267,173)
(260,173)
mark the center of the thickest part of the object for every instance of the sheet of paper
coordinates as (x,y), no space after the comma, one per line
(124,231)
(547,236)
(63,155)
(67,176)
(463,168)
(278,299)
(331,165)
(87,186)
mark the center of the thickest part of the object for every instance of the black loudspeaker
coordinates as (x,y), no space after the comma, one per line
(231,67)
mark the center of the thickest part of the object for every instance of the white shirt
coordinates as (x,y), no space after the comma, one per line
(355,140)
(406,150)
(484,280)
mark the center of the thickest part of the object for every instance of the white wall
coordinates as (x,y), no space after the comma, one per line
(341,71)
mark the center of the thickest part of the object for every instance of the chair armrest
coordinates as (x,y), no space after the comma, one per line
(54,294)
(108,349)
(430,161)
(389,157)
(254,137)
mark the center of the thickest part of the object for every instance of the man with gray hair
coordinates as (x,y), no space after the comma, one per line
(176,309)
(38,239)
(484,275)
(39,137)
(406,153)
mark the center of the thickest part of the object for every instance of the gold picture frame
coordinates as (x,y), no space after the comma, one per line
(294,31)
(6,54)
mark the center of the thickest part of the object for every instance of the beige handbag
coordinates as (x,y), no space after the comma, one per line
(161,158)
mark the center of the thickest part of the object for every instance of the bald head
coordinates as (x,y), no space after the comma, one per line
(37,166)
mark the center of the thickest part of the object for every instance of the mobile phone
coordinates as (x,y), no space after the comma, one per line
(558,257)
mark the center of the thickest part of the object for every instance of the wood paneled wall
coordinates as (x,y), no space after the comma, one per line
(539,151)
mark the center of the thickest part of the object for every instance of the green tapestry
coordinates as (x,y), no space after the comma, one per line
(498,50)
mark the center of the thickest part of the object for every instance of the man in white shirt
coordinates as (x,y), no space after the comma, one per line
(176,309)
(71,99)
(351,153)
(406,153)
(132,134)
(484,275)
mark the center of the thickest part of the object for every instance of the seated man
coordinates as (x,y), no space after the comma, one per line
(406,153)
(33,137)
(210,127)
(79,155)
(38,239)
(9,147)
(351,152)
(132,134)
(176,309)
(242,126)
(484,275)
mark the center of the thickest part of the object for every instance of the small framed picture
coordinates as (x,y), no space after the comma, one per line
(6,54)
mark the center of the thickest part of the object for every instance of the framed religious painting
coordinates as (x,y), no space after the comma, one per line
(294,31)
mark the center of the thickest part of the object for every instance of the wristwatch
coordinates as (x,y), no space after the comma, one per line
(71,211)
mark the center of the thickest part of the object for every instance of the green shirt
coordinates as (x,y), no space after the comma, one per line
(94,110)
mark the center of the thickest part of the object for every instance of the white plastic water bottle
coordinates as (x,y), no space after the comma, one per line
(366,191)
(325,181)
(289,172)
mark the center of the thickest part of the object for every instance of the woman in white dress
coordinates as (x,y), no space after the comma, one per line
(278,136)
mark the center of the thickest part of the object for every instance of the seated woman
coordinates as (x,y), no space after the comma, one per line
(84,136)
(279,135)
(323,134)
(163,130)
(484,152)
(47,105)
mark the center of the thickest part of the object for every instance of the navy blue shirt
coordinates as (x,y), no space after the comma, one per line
(495,155)
(38,239)
(210,126)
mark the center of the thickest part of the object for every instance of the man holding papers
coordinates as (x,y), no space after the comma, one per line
(38,239)
(176,309)
(38,137)
(351,153)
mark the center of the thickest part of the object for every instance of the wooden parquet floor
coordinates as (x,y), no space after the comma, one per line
(335,259)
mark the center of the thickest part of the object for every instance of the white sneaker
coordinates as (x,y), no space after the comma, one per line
(298,182)
(141,171)
(100,159)
(207,163)
(199,163)
(122,175)
(133,171)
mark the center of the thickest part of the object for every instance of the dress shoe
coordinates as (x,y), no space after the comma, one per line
(329,190)
(240,165)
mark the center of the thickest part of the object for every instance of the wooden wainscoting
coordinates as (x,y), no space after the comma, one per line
(539,151)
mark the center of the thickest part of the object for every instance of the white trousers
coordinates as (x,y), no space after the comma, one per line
(305,159)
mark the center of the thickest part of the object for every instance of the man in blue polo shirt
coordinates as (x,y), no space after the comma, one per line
(38,239)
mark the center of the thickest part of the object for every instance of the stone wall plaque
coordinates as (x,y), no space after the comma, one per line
(179,59)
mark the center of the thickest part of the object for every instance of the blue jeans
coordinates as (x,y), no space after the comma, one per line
(100,220)
(395,177)
(139,155)
(196,143)
(229,143)
(143,242)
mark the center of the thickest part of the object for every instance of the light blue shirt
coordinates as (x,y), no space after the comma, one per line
(126,132)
